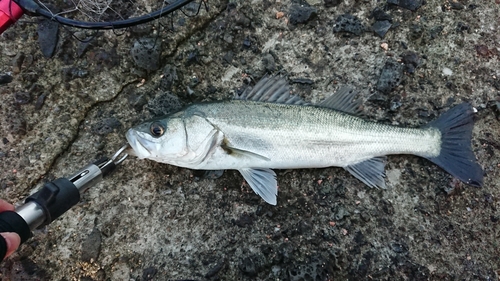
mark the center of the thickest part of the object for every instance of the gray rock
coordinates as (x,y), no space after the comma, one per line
(48,35)
(349,23)
(149,273)
(22,98)
(91,247)
(106,126)
(5,78)
(301,13)
(164,104)
(146,53)
(381,27)
(390,77)
(412,5)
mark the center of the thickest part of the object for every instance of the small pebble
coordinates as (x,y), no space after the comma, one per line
(411,60)
(48,35)
(269,63)
(390,77)
(149,273)
(91,246)
(22,98)
(218,267)
(399,248)
(455,5)
(332,3)
(5,78)
(497,109)
(17,62)
(349,23)
(381,27)
(412,5)
(71,73)
(482,50)
(380,15)
(447,71)
(301,14)
(247,43)
(169,77)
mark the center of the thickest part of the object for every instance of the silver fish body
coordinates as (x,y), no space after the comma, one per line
(281,136)
(254,137)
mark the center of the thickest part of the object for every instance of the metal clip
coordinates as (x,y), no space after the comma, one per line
(108,165)
(120,151)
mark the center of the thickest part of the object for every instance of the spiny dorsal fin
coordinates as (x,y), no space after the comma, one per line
(343,100)
(271,89)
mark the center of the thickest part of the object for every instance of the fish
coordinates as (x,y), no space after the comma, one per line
(268,128)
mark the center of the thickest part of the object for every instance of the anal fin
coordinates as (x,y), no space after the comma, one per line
(371,171)
(263,182)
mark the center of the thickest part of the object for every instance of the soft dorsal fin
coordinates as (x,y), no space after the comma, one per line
(343,100)
(271,89)
(371,171)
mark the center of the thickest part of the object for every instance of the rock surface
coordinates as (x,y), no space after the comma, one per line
(160,222)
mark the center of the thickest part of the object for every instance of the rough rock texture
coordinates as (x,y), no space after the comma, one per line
(159,222)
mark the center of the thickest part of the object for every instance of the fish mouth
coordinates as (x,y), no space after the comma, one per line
(137,148)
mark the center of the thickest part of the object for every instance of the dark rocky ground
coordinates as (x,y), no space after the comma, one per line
(150,221)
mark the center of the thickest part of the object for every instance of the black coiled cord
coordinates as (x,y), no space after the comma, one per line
(31,7)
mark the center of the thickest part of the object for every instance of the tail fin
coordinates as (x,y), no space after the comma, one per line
(456,155)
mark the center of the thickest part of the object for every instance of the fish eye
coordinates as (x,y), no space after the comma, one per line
(157,129)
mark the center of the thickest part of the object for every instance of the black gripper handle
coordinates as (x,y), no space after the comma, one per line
(10,221)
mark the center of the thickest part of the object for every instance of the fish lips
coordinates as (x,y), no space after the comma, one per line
(138,149)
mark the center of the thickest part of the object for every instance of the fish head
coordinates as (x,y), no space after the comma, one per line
(163,140)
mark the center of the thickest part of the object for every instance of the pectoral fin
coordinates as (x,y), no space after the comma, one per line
(371,171)
(242,153)
(263,182)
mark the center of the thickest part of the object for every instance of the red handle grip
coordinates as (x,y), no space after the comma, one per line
(10,12)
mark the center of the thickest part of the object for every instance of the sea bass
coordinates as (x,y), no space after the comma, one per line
(267,128)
